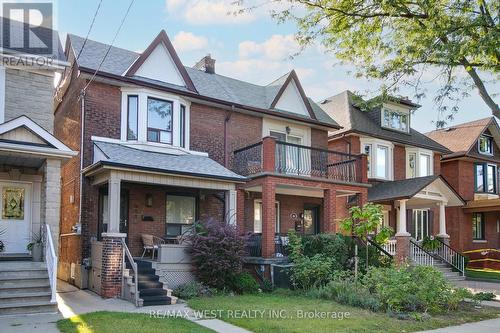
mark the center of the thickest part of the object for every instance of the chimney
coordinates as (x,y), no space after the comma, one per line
(206,64)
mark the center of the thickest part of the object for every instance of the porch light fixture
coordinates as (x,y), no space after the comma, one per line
(149,200)
(288,129)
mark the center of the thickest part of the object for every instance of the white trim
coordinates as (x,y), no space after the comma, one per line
(36,150)
(2,93)
(375,143)
(274,125)
(418,153)
(37,129)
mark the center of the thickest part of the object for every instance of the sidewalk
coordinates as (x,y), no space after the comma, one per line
(485,326)
(73,301)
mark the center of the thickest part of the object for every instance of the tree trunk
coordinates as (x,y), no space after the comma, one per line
(482,89)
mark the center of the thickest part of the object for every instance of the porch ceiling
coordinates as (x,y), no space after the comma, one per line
(16,159)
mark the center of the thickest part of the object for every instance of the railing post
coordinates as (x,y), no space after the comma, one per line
(269,154)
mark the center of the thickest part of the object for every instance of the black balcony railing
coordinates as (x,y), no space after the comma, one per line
(254,245)
(293,159)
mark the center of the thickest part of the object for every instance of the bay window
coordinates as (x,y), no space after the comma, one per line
(485,178)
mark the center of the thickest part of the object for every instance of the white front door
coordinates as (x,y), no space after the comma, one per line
(15,216)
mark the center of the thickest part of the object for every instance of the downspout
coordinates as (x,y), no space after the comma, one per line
(82,129)
(226,140)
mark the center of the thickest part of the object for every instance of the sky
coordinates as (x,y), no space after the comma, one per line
(250,47)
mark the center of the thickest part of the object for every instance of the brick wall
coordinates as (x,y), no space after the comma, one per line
(319,138)
(341,144)
(399,153)
(437,163)
(29,94)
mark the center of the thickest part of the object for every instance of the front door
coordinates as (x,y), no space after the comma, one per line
(15,216)
(311,220)
(124,213)
(420,223)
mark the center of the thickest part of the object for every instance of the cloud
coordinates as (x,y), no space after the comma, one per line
(203,12)
(187,41)
(276,47)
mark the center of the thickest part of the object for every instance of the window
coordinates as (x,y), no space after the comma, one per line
(182,127)
(181,214)
(425,165)
(132,117)
(412,165)
(382,162)
(257,217)
(368,152)
(396,120)
(478,226)
(486,145)
(485,178)
(159,120)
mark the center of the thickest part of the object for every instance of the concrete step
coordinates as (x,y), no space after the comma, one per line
(24,274)
(28,307)
(24,283)
(21,265)
(27,296)
(22,290)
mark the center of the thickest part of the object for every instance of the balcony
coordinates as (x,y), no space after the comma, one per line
(272,156)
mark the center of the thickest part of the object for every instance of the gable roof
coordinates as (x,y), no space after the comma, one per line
(460,139)
(162,39)
(352,119)
(213,87)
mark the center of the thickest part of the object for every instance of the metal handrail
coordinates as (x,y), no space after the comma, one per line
(380,248)
(51,261)
(133,264)
(428,257)
(447,253)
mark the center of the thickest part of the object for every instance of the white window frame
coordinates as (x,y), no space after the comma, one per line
(479,145)
(418,153)
(277,226)
(142,117)
(375,143)
(395,110)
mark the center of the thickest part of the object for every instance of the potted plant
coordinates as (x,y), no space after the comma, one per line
(36,247)
(430,244)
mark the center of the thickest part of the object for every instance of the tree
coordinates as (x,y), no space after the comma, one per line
(397,40)
(364,221)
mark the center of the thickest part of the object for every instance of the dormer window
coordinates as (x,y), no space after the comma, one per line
(155,118)
(486,145)
(395,120)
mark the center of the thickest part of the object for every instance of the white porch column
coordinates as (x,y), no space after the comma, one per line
(114,186)
(230,203)
(401,222)
(442,220)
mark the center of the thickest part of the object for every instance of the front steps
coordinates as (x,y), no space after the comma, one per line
(447,271)
(151,290)
(25,288)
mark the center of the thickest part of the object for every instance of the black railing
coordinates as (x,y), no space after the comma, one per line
(293,159)
(450,256)
(248,160)
(254,245)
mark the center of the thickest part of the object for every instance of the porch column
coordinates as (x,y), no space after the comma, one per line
(114,186)
(231,206)
(329,204)
(268,217)
(269,154)
(402,236)
(112,247)
(442,223)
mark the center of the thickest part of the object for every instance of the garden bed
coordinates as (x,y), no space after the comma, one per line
(292,306)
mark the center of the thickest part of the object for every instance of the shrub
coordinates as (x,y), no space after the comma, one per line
(334,246)
(244,283)
(483,296)
(192,289)
(217,252)
(420,288)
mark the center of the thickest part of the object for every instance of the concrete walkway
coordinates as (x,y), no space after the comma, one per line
(477,286)
(72,301)
(485,326)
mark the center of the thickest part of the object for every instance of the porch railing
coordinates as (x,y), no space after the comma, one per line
(294,159)
(128,256)
(420,256)
(451,256)
(254,245)
(390,247)
(51,261)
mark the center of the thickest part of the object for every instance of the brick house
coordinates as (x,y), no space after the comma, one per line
(162,145)
(30,166)
(403,167)
(471,168)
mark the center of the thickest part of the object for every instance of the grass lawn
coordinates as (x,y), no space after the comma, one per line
(359,320)
(104,322)
(483,275)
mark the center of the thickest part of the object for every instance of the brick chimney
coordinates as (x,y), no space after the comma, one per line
(206,64)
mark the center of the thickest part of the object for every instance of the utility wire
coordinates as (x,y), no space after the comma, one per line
(109,48)
(90,29)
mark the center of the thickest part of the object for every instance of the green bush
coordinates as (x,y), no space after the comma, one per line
(420,288)
(191,290)
(244,283)
(482,296)
(335,246)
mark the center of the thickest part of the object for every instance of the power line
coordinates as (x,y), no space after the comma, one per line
(90,29)
(110,46)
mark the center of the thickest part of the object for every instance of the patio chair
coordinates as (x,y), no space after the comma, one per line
(151,243)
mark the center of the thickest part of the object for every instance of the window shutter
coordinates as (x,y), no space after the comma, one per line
(410,223)
(431,223)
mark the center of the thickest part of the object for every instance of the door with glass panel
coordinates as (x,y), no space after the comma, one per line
(15,216)
(421,224)
(290,158)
